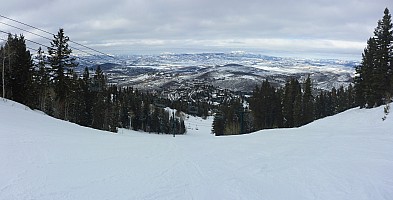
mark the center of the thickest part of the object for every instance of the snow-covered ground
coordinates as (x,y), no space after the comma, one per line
(347,156)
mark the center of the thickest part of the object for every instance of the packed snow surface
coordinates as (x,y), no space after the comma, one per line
(347,156)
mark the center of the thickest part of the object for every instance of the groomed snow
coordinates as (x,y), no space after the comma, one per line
(347,156)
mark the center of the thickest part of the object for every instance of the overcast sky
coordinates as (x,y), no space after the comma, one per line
(304,27)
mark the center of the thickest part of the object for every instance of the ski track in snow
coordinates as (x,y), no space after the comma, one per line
(347,156)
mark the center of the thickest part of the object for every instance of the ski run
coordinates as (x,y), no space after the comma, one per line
(346,156)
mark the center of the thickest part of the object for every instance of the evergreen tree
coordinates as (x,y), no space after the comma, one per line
(364,76)
(155,120)
(87,99)
(257,108)
(232,118)
(18,76)
(266,103)
(145,115)
(62,64)
(218,124)
(125,111)
(277,109)
(351,96)
(384,39)
(42,81)
(319,105)
(75,100)
(292,91)
(98,109)
(374,77)
(112,109)
(332,102)
(342,100)
(266,107)
(297,111)
(308,102)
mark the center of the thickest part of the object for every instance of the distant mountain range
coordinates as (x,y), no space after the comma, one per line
(234,71)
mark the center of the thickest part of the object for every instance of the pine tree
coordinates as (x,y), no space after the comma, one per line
(75,100)
(342,100)
(374,77)
(297,111)
(125,111)
(267,95)
(384,40)
(319,106)
(277,109)
(266,107)
(42,80)
(98,109)
(292,91)
(218,124)
(256,107)
(155,120)
(332,105)
(18,71)
(232,118)
(351,96)
(364,73)
(62,64)
(112,109)
(87,99)
(308,102)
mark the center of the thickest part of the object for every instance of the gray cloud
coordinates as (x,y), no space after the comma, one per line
(143,26)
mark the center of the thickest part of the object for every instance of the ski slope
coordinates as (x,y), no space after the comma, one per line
(347,156)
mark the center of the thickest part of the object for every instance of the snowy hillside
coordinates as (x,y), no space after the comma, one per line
(347,156)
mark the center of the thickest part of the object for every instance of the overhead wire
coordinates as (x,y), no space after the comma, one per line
(26,39)
(78,57)
(25,30)
(26,46)
(25,24)
(42,30)
(45,38)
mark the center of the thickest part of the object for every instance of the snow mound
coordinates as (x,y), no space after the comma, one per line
(347,156)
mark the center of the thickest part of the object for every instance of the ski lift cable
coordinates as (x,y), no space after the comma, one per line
(77,43)
(26,46)
(37,43)
(46,38)
(26,31)
(25,39)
